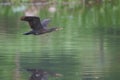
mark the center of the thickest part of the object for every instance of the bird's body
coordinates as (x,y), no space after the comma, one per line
(37,26)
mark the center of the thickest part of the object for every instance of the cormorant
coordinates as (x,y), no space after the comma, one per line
(37,26)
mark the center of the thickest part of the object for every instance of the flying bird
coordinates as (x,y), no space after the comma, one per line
(37,26)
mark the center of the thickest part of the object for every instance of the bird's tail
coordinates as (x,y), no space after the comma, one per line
(28,33)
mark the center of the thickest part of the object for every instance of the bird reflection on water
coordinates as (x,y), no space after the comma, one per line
(39,74)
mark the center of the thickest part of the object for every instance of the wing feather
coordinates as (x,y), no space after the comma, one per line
(45,23)
(35,23)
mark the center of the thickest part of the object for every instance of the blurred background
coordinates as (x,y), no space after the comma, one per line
(86,49)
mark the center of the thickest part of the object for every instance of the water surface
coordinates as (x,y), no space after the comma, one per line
(78,52)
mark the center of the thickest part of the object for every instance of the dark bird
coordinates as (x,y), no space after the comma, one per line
(37,26)
(39,74)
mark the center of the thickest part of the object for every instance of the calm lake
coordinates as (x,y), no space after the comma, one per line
(88,47)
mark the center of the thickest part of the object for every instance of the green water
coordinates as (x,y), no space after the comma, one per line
(86,49)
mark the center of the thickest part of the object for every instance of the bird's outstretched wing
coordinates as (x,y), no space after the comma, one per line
(34,22)
(45,23)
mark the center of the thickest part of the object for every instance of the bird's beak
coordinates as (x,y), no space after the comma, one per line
(59,29)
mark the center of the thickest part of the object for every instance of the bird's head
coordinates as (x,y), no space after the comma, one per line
(58,28)
(55,29)
(28,18)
